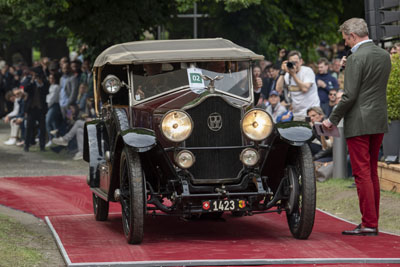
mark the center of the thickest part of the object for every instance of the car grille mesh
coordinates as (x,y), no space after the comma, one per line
(215,163)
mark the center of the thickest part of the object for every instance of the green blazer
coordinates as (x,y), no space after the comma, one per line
(363,105)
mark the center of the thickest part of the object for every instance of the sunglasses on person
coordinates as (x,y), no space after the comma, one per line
(332,94)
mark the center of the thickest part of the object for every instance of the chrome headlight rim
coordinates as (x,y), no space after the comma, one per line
(250,149)
(109,78)
(191,125)
(180,153)
(270,118)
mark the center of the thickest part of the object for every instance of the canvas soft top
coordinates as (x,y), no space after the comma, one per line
(183,50)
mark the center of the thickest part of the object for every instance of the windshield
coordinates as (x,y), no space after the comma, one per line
(155,79)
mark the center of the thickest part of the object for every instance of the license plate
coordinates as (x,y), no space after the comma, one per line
(223,205)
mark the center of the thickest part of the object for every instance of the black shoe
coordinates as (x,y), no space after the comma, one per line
(26,149)
(353,185)
(42,149)
(360,230)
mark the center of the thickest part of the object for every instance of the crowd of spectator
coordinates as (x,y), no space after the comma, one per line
(48,103)
(292,90)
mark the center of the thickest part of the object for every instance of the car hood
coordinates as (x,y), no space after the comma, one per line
(185,99)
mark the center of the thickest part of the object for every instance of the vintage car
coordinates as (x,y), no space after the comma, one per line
(177,133)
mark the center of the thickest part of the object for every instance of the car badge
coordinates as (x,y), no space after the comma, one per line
(242,204)
(214,122)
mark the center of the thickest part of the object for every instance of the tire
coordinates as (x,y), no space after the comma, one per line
(132,196)
(100,208)
(301,219)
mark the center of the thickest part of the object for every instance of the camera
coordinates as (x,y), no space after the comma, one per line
(290,65)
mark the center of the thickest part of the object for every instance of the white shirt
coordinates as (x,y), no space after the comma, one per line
(54,95)
(354,48)
(302,101)
(15,110)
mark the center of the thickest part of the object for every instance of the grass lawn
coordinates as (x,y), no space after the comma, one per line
(335,197)
(18,246)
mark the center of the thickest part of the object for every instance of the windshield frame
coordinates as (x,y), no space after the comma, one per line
(134,102)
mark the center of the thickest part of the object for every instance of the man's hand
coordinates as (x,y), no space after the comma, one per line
(6,119)
(258,83)
(343,62)
(327,124)
(287,116)
(284,67)
(321,83)
(282,53)
(292,71)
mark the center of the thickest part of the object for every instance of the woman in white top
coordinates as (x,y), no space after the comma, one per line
(12,117)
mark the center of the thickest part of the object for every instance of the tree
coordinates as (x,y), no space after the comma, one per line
(261,25)
(266,25)
(98,23)
(27,24)
(102,23)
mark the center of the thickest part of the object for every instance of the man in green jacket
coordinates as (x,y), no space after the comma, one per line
(364,109)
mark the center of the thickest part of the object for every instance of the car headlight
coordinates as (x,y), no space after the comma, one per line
(249,157)
(176,125)
(257,124)
(111,84)
(185,159)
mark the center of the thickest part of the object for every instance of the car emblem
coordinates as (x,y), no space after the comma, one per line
(214,122)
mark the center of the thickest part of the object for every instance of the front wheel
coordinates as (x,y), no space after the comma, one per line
(100,208)
(301,217)
(132,196)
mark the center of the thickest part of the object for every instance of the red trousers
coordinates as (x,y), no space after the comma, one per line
(364,152)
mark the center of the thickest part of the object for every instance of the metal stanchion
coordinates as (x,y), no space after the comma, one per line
(339,154)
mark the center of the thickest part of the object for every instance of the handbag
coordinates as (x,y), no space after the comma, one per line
(323,170)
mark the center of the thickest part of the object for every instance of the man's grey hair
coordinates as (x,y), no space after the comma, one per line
(354,25)
(294,53)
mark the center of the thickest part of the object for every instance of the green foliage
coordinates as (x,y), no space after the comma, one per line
(265,26)
(230,5)
(29,21)
(236,5)
(103,23)
(261,25)
(393,90)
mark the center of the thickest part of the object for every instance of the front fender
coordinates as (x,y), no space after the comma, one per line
(295,133)
(140,139)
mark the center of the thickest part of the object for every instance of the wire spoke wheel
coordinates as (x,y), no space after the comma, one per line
(301,217)
(132,196)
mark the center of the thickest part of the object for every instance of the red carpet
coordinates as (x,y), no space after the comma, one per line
(170,241)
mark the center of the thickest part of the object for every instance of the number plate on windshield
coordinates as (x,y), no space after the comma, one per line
(224,205)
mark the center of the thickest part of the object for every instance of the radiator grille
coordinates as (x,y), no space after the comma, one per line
(210,163)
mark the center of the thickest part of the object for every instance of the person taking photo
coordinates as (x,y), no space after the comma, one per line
(300,80)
